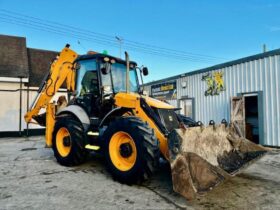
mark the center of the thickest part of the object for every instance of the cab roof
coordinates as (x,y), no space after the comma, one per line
(101,56)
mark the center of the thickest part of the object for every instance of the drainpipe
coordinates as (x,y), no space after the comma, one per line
(27,107)
(20,105)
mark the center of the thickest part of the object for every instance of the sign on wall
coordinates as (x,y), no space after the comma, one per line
(164,91)
(215,83)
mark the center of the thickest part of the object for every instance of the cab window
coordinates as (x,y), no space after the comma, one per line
(89,83)
(87,80)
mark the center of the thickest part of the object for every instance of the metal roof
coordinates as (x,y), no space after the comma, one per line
(219,66)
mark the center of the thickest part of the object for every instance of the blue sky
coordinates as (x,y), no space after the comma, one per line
(226,30)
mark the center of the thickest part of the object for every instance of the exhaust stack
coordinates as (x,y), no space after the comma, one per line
(127,72)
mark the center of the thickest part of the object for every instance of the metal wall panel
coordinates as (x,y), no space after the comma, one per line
(250,76)
(173,102)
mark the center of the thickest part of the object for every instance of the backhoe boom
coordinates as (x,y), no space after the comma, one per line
(61,70)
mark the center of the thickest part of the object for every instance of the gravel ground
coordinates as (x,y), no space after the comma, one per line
(30,178)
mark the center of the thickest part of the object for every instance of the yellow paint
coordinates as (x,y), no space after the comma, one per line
(132,100)
(92,147)
(63,150)
(120,162)
(162,139)
(61,70)
(129,100)
(167,87)
(157,103)
(218,77)
(50,121)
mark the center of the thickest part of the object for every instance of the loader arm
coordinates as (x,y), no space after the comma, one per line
(61,70)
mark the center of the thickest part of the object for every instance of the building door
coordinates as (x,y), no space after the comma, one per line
(187,107)
(252,117)
(238,115)
(246,116)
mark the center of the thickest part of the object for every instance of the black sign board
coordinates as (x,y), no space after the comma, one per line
(164,91)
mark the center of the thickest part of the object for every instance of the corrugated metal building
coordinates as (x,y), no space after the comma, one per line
(206,94)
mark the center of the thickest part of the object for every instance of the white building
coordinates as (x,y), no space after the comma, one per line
(21,71)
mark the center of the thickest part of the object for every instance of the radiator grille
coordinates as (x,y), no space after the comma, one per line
(168,118)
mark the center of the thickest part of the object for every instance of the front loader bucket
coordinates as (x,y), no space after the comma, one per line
(202,157)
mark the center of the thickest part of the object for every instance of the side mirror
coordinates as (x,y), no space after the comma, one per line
(145,71)
(105,69)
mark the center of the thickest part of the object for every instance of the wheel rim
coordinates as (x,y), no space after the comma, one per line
(63,142)
(122,151)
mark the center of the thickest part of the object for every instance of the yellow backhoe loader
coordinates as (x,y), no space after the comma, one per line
(108,112)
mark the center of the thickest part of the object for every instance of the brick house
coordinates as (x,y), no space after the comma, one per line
(21,72)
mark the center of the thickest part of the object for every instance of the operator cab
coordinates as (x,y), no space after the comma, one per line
(98,78)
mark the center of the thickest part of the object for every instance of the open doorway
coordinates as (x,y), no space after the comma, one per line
(252,118)
(187,107)
(247,116)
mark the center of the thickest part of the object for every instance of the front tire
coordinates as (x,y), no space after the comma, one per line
(131,150)
(67,142)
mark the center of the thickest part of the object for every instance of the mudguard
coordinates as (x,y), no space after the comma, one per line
(78,112)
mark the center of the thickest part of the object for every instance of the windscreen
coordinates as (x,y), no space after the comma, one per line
(119,78)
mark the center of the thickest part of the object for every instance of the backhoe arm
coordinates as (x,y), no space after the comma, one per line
(61,70)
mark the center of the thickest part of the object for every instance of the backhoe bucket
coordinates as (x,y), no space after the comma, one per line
(202,157)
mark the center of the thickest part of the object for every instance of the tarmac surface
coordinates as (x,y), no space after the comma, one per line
(30,178)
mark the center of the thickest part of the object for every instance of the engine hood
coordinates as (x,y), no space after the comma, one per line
(157,103)
(129,100)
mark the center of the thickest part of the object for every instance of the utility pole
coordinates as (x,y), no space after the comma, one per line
(264,48)
(120,40)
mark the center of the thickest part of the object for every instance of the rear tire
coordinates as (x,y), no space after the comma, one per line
(128,135)
(68,142)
